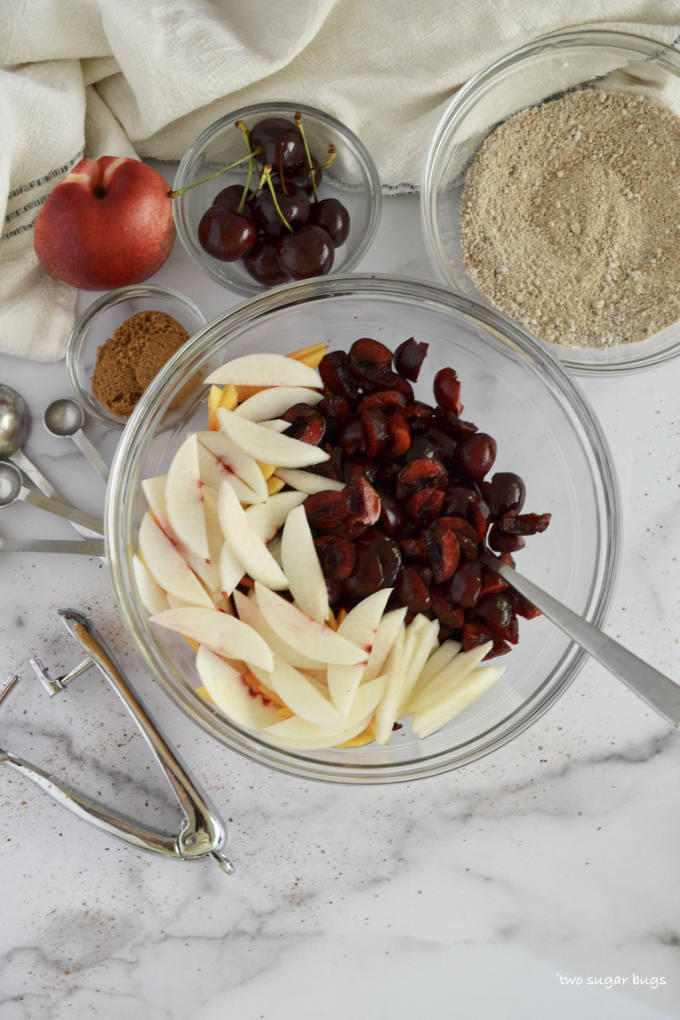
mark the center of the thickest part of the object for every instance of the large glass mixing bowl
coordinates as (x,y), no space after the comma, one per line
(510,387)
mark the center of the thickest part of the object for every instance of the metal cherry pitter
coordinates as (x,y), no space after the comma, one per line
(203,833)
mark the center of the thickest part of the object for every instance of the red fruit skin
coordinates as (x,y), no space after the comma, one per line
(107,224)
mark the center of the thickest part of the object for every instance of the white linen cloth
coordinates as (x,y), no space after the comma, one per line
(126,77)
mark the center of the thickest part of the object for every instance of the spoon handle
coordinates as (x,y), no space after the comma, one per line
(71,513)
(656,689)
(36,476)
(47,489)
(91,453)
(88,547)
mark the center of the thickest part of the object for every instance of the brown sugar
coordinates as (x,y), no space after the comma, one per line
(129,360)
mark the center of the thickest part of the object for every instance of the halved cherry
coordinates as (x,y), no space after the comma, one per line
(416,412)
(466,584)
(454,426)
(421,473)
(464,532)
(505,491)
(475,455)
(409,357)
(351,438)
(412,592)
(497,611)
(414,550)
(335,411)
(513,523)
(459,499)
(447,390)
(431,442)
(399,435)
(337,378)
(374,431)
(385,400)
(307,425)
(330,468)
(475,633)
(425,505)
(501,542)
(370,361)
(358,464)
(363,501)
(449,616)
(443,554)
(336,556)
(391,515)
(326,511)
(367,576)
(390,559)
(479,513)
(392,381)
(492,583)
(522,606)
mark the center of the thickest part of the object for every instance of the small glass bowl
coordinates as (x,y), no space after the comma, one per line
(97,324)
(542,70)
(511,387)
(352,178)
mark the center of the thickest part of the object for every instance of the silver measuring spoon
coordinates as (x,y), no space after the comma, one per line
(82,546)
(12,489)
(657,690)
(65,418)
(15,424)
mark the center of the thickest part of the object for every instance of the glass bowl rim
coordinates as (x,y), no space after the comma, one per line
(287,761)
(459,107)
(78,336)
(373,186)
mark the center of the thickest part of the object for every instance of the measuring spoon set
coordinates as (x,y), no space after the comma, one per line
(63,418)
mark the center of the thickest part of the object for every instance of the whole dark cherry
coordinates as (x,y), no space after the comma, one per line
(306,253)
(332,215)
(225,234)
(232,197)
(262,263)
(279,140)
(294,206)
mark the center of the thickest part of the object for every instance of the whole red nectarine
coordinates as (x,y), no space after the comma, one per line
(107,224)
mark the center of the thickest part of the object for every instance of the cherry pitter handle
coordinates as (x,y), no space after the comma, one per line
(202,834)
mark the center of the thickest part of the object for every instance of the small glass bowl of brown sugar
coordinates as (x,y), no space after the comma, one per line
(549,195)
(121,341)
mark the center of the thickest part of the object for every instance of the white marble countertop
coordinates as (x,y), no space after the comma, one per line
(541,881)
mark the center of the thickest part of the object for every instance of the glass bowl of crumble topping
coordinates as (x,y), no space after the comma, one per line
(550,195)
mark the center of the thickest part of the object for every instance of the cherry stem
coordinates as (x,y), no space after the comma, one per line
(204,180)
(266,176)
(246,187)
(332,153)
(282,179)
(312,168)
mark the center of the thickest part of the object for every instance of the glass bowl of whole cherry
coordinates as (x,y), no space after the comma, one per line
(297,560)
(288,193)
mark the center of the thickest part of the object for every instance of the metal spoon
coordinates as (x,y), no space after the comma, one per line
(12,488)
(15,424)
(65,418)
(85,547)
(657,690)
